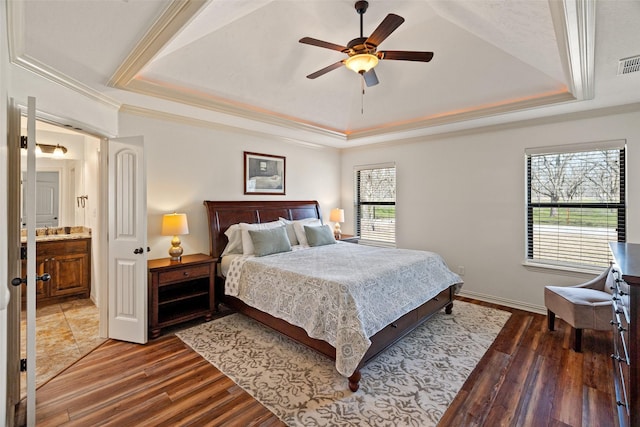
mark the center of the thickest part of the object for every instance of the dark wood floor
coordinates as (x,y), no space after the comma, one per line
(529,377)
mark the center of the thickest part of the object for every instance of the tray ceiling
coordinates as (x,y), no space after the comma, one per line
(241,59)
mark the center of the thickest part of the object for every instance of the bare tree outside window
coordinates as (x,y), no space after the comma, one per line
(575,206)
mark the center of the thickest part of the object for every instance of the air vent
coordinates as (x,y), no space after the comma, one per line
(629,65)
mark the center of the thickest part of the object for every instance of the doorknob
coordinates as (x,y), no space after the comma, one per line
(17,281)
(138,251)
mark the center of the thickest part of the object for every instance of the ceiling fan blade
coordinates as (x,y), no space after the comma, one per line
(386,27)
(404,55)
(320,43)
(325,70)
(370,78)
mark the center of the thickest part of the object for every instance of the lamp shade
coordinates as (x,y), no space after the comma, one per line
(175,224)
(336,215)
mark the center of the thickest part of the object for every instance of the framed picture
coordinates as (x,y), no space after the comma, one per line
(264,174)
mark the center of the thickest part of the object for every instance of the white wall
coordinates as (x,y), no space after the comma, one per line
(188,164)
(463,196)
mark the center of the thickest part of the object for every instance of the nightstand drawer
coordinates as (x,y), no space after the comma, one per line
(181,274)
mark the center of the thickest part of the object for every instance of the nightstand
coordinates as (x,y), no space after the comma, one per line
(349,238)
(180,290)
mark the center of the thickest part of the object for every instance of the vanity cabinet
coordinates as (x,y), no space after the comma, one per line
(69,264)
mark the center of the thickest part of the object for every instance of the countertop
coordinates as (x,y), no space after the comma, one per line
(57,234)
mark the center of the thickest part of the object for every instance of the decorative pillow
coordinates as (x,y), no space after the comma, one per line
(291,233)
(319,236)
(234,246)
(298,227)
(270,241)
(247,244)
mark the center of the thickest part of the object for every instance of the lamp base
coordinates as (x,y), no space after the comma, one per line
(337,232)
(175,251)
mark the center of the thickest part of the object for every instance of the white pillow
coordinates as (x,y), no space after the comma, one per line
(247,243)
(234,246)
(298,227)
(291,233)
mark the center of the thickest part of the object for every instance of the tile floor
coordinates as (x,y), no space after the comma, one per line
(64,333)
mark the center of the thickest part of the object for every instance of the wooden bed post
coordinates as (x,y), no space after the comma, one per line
(354,380)
(449,308)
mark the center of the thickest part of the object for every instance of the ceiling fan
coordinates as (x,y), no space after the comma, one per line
(362,51)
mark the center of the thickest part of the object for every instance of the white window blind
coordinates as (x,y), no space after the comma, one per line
(576,204)
(375,191)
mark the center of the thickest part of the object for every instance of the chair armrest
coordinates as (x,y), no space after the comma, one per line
(598,283)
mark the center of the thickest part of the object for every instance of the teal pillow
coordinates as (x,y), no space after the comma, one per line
(319,236)
(270,241)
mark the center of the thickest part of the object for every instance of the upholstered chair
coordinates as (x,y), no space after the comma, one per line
(585,306)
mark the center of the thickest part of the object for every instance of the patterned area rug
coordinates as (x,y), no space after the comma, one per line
(412,383)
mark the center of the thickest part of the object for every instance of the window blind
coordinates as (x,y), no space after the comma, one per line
(575,205)
(375,204)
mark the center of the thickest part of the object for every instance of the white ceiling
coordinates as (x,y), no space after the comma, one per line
(239,61)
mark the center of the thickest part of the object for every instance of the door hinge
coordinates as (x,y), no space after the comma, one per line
(23,365)
(23,252)
(23,141)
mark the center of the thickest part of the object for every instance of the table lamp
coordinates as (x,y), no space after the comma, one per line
(337,215)
(175,224)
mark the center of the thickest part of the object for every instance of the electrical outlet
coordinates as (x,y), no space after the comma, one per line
(461,270)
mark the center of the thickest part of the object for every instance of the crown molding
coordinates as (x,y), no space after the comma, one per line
(16,32)
(515,124)
(575,25)
(190,121)
(470,114)
(209,102)
(171,20)
(55,76)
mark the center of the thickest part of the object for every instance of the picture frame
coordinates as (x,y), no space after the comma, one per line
(264,174)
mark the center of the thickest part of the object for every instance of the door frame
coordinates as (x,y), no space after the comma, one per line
(14,176)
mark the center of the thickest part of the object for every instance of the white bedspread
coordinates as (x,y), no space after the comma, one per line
(342,293)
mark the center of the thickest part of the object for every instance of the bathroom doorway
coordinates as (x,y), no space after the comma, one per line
(67,324)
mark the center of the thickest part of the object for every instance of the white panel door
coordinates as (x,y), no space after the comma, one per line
(47,198)
(127,270)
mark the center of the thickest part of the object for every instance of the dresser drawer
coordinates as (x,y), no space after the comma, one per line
(179,274)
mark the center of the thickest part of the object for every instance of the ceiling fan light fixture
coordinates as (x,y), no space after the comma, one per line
(361,63)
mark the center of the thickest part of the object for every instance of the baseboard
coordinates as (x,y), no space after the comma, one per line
(503,301)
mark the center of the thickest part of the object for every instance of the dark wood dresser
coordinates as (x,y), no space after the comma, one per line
(626,342)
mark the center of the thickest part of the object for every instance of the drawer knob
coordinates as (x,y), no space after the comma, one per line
(393,325)
(186,273)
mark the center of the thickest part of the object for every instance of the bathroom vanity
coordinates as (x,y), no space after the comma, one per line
(67,258)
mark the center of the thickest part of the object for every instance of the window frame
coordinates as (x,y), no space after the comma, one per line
(621,206)
(358,204)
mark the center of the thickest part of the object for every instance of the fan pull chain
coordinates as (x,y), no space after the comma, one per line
(362,97)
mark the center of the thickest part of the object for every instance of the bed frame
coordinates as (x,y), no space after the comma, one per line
(223,214)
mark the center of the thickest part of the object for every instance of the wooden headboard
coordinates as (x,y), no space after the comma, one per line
(223,214)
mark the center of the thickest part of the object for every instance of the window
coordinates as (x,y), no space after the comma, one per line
(375,191)
(575,204)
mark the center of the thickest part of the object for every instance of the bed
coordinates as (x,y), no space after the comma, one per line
(369,338)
